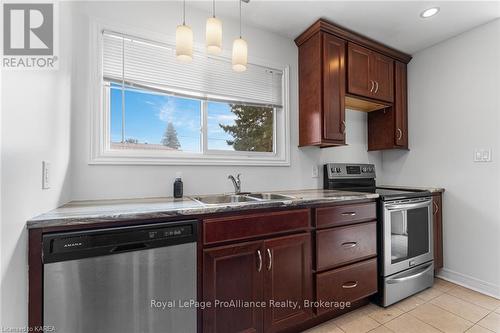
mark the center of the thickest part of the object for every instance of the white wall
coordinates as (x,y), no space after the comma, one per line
(454,107)
(1,76)
(97,181)
(357,144)
(35,114)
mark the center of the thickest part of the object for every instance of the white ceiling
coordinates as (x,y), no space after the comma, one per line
(394,23)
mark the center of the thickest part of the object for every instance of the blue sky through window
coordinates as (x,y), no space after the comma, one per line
(147,115)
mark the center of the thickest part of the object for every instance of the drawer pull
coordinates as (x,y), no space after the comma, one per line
(259,266)
(270,255)
(349,214)
(350,285)
(348,245)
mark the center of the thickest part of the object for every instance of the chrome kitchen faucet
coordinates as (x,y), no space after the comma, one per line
(236,183)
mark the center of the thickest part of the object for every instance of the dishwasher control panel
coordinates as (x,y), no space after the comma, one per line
(74,245)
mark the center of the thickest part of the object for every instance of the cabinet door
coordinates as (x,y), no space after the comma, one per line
(333,88)
(438,230)
(400,106)
(382,73)
(233,273)
(288,277)
(358,72)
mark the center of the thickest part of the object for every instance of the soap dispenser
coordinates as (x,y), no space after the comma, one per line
(178,186)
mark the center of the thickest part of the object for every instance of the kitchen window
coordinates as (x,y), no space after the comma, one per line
(155,110)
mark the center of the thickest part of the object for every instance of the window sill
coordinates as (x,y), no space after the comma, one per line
(134,159)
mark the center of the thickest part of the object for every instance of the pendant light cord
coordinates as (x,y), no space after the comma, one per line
(184,12)
(240,18)
(213,8)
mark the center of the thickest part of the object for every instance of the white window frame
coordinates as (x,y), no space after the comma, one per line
(100,145)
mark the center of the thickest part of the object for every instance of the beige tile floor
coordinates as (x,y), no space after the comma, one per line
(446,307)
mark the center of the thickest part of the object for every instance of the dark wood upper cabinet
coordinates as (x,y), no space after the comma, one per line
(401,105)
(383,76)
(288,277)
(369,74)
(333,89)
(340,69)
(322,90)
(359,74)
(388,127)
(232,273)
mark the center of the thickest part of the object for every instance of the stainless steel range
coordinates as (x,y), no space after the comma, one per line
(405,236)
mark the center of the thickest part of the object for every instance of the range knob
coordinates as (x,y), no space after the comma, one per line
(364,169)
(338,170)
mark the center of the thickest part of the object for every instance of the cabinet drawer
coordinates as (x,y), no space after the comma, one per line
(347,284)
(246,226)
(345,214)
(342,245)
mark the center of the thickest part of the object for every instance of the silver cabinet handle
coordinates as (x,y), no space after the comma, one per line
(259,266)
(400,133)
(373,85)
(343,126)
(270,264)
(376,89)
(349,214)
(349,245)
(350,285)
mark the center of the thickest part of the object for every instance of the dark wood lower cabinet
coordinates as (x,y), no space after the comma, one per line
(271,272)
(346,284)
(437,206)
(288,278)
(231,273)
(271,280)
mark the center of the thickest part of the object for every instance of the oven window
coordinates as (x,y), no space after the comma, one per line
(409,234)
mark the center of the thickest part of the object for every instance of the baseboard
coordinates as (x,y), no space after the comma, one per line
(470,282)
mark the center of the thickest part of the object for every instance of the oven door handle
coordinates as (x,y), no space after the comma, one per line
(420,272)
(408,205)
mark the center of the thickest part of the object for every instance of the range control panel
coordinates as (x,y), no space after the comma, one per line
(347,170)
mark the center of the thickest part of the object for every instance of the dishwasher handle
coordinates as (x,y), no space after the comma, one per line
(99,242)
(129,247)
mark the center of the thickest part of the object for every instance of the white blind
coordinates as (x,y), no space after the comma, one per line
(149,63)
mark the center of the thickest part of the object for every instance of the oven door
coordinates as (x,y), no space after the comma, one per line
(407,234)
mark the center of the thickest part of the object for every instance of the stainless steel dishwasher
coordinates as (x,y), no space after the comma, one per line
(131,279)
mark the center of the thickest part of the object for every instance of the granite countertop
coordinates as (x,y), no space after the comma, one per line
(410,188)
(96,211)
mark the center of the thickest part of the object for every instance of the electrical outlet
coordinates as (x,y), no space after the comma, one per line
(45,175)
(482,155)
(315,171)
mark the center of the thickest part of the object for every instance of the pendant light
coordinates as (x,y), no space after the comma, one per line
(240,52)
(184,39)
(214,33)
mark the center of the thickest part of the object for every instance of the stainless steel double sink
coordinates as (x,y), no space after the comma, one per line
(240,198)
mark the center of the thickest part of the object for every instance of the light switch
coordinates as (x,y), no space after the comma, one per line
(45,175)
(482,155)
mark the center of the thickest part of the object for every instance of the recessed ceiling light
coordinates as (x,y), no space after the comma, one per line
(429,12)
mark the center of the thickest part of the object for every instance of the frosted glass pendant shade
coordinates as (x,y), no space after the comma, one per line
(240,55)
(214,35)
(184,43)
